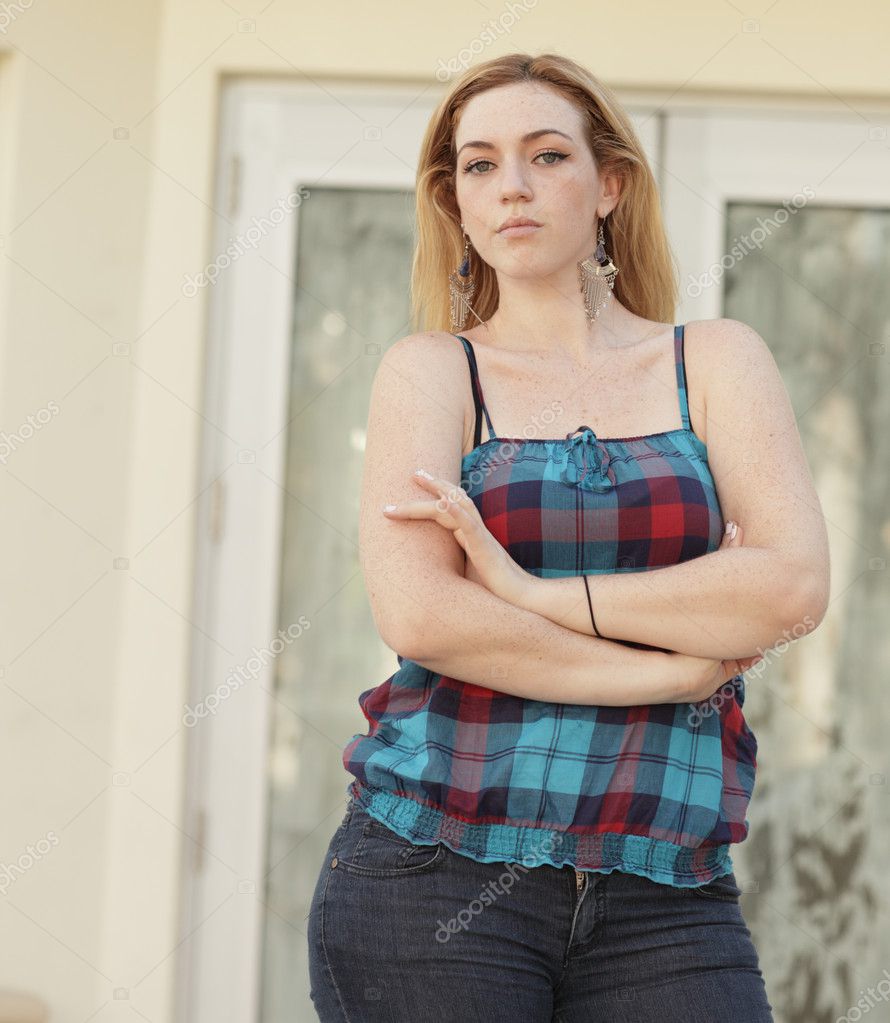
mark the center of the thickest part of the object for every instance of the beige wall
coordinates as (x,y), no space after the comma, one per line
(96,233)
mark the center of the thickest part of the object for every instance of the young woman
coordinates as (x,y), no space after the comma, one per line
(542,810)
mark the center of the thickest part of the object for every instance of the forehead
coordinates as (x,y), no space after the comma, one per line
(509,111)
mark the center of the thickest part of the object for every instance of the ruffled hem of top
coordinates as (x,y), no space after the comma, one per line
(658,860)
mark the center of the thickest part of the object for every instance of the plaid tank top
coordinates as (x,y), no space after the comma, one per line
(655,790)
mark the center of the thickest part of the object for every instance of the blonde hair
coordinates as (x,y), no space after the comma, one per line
(634,231)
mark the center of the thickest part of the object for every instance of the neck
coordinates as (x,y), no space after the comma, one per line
(560,327)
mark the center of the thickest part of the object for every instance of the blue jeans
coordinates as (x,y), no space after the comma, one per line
(403,933)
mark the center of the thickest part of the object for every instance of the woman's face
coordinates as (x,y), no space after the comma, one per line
(550,178)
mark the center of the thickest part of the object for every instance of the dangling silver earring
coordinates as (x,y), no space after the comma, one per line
(461,287)
(597,279)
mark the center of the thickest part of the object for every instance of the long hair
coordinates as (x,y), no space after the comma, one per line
(635,238)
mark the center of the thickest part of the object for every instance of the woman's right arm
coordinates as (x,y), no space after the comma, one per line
(476,637)
(423,606)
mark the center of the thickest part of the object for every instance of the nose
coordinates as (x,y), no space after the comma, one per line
(514,182)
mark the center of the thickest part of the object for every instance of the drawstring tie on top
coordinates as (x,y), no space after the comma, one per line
(586,461)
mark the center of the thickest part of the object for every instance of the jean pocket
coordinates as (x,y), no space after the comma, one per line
(370,849)
(723,888)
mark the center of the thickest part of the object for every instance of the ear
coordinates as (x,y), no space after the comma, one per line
(611,192)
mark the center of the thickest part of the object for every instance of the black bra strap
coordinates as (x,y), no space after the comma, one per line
(478,398)
(680,364)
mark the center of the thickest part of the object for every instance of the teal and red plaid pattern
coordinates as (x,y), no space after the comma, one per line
(655,790)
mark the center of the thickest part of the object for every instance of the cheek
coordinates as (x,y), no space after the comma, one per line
(477,204)
(573,211)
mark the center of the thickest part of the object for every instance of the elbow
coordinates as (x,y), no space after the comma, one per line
(400,639)
(432,632)
(809,601)
(410,636)
(407,647)
(421,623)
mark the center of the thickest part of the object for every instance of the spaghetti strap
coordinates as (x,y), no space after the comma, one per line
(478,398)
(680,363)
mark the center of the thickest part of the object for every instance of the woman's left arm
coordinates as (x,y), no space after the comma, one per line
(737,600)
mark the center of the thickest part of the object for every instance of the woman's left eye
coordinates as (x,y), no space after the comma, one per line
(553,152)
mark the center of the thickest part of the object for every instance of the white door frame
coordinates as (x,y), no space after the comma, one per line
(786,158)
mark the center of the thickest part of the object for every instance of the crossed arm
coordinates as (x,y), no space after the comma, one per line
(734,601)
(424,604)
(730,603)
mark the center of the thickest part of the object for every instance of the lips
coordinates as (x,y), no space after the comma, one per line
(518,222)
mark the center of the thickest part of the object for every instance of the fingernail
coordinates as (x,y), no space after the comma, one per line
(728,527)
(422,472)
(389,507)
(735,529)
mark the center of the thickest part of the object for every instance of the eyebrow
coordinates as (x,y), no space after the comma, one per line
(480,144)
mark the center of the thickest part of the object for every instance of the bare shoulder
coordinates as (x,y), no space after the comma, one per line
(435,362)
(722,353)
(439,344)
(434,356)
(717,344)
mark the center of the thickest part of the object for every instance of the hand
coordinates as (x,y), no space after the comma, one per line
(700,677)
(487,561)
